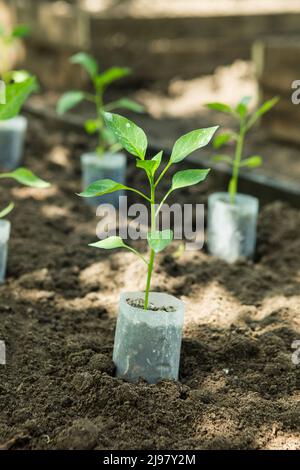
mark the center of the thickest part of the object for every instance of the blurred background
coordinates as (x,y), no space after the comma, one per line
(183,54)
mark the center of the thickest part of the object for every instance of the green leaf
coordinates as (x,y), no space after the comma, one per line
(157,158)
(26,177)
(16,95)
(223,158)
(108,136)
(252,162)
(128,134)
(69,100)
(126,103)
(87,62)
(110,243)
(185,178)
(242,107)
(91,126)
(150,166)
(159,240)
(21,31)
(221,140)
(190,142)
(7,210)
(262,110)
(100,187)
(223,108)
(111,75)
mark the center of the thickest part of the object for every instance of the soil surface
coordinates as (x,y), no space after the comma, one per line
(238,389)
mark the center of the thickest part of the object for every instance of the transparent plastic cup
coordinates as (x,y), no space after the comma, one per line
(232,227)
(12,137)
(4,238)
(147,343)
(110,166)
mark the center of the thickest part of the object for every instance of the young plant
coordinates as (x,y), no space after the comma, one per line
(15,95)
(134,140)
(100,81)
(245,121)
(7,40)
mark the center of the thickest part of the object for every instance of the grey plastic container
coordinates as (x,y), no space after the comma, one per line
(12,136)
(4,238)
(147,343)
(110,166)
(232,227)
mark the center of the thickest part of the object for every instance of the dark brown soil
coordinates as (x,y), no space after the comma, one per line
(238,386)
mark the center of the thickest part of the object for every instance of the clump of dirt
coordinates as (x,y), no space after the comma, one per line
(238,389)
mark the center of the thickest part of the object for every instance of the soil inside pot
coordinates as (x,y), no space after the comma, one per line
(238,389)
(139,303)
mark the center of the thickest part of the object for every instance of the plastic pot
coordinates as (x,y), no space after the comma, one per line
(109,166)
(147,343)
(4,238)
(232,227)
(12,136)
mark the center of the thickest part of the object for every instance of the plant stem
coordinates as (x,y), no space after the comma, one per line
(99,106)
(163,173)
(236,164)
(152,253)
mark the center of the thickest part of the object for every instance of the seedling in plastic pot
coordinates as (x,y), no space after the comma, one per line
(151,319)
(232,217)
(16,94)
(107,161)
(13,130)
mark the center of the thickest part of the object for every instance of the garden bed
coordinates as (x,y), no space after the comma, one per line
(238,387)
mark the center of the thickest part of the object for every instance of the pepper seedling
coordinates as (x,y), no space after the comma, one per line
(100,82)
(134,140)
(245,120)
(7,40)
(15,95)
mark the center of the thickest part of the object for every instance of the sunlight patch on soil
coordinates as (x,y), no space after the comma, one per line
(212,304)
(186,98)
(60,156)
(53,212)
(34,193)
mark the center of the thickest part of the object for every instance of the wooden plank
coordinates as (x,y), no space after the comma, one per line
(56,23)
(157,47)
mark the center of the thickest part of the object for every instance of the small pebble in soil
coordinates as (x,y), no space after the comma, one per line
(139,303)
